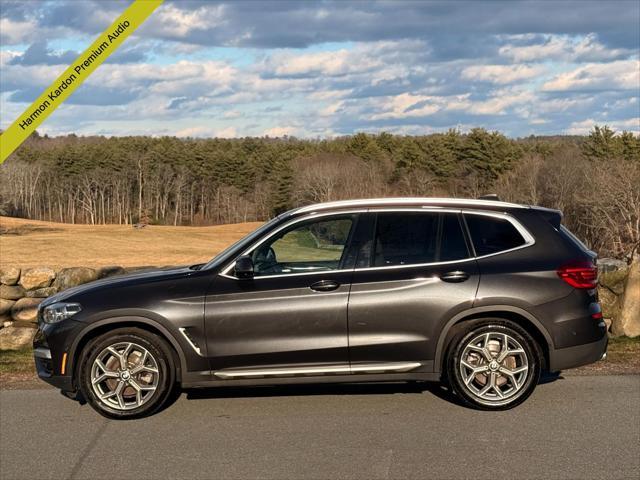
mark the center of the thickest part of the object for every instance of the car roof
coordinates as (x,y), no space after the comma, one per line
(409,202)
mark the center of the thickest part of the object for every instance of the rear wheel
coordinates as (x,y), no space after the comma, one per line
(127,373)
(494,364)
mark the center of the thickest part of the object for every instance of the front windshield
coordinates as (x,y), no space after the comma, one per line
(249,238)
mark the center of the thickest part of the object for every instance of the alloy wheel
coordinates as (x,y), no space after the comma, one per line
(124,376)
(494,367)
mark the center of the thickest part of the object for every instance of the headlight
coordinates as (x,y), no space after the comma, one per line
(59,311)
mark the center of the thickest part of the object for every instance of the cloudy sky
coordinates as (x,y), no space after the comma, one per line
(326,68)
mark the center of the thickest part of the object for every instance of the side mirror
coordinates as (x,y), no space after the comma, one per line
(244,267)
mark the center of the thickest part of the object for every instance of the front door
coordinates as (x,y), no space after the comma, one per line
(291,318)
(414,275)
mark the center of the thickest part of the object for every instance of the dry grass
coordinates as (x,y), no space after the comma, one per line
(30,243)
(623,357)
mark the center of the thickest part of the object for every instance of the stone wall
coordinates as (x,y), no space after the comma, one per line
(22,290)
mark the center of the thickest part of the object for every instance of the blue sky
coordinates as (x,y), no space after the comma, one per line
(328,68)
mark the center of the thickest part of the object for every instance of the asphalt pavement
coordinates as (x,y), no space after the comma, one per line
(576,427)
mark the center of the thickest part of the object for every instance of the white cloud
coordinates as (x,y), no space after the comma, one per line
(373,62)
(407,105)
(195,132)
(7,55)
(561,47)
(279,131)
(206,132)
(180,23)
(502,74)
(330,94)
(331,63)
(229,132)
(500,101)
(619,75)
(562,104)
(30,76)
(585,126)
(331,109)
(13,32)
(230,114)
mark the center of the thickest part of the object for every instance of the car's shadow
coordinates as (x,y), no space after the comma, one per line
(314,389)
(394,388)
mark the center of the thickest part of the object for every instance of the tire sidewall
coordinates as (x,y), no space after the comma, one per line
(531,348)
(154,345)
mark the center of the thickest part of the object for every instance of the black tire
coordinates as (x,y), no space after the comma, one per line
(470,394)
(162,358)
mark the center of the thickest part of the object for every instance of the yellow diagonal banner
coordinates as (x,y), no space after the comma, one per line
(73,76)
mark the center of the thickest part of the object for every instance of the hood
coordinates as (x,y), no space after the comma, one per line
(120,281)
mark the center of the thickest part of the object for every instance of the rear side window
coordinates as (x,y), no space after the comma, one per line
(492,234)
(410,238)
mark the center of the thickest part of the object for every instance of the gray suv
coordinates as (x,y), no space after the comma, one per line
(480,294)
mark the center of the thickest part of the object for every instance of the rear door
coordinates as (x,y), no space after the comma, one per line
(413,274)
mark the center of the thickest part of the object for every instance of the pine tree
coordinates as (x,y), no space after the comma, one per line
(601,144)
(629,146)
(281,188)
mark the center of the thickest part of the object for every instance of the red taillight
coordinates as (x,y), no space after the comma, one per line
(579,274)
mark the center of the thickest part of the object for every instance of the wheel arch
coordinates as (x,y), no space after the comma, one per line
(97,328)
(523,318)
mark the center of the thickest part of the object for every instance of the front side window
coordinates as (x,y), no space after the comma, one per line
(492,234)
(309,246)
(413,238)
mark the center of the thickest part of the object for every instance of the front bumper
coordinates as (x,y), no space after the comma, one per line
(571,357)
(50,346)
(44,367)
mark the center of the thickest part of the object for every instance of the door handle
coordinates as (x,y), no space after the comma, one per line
(454,277)
(324,286)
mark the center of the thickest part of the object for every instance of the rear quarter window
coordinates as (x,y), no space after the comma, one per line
(492,234)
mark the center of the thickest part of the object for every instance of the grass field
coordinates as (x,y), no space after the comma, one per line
(30,243)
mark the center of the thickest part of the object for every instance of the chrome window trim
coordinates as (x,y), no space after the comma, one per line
(226,275)
(526,235)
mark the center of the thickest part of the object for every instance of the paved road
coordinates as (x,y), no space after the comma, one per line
(574,427)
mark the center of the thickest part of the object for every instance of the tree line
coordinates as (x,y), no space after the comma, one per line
(594,179)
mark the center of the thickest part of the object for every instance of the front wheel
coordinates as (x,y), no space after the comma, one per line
(127,373)
(493,365)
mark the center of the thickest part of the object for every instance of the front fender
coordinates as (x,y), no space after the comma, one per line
(124,321)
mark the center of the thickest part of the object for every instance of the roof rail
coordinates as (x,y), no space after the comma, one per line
(379,202)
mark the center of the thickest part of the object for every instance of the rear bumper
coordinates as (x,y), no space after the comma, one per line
(570,357)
